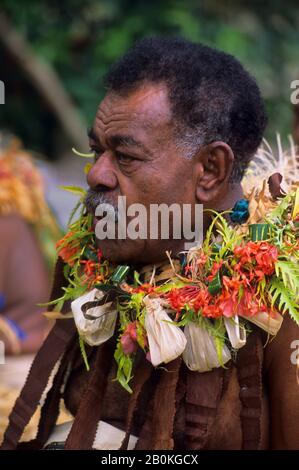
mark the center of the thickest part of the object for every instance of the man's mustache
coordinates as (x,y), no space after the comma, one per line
(94,198)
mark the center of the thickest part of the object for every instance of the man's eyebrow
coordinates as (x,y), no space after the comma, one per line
(127,141)
(92,135)
(119,139)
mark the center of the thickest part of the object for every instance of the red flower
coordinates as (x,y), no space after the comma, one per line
(227,306)
(267,257)
(247,252)
(89,267)
(226,303)
(99,254)
(147,288)
(201,259)
(132,330)
(201,300)
(68,250)
(238,294)
(246,276)
(129,338)
(262,257)
(188,269)
(214,270)
(128,345)
(181,296)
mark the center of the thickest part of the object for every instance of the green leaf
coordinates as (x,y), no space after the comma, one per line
(278,212)
(59,305)
(288,271)
(66,271)
(169,286)
(127,367)
(219,343)
(283,298)
(141,333)
(124,370)
(73,212)
(123,382)
(83,352)
(229,236)
(52,302)
(74,189)
(87,168)
(136,279)
(84,155)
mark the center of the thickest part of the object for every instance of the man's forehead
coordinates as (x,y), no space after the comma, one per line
(148,105)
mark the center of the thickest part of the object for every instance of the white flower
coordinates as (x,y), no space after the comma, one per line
(166,341)
(235,332)
(200,353)
(99,330)
(270,324)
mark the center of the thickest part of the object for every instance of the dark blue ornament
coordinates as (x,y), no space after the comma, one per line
(240,212)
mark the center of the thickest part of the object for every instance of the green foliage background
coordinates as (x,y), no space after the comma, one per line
(82,38)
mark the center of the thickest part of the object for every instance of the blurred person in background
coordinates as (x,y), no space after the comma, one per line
(27,243)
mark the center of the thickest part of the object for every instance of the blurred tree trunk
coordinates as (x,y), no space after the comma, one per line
(44,78)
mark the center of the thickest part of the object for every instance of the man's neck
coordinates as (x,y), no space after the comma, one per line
(234,193)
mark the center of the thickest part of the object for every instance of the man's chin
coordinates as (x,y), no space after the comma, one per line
(137,252)
(122,251)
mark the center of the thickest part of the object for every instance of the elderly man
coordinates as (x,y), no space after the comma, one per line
(179,124)
(23,275)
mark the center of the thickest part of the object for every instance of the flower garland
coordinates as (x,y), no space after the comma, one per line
(242,274)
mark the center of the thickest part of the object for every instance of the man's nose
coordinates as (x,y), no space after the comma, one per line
(102,173)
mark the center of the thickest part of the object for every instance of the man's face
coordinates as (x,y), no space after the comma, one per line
(136,157)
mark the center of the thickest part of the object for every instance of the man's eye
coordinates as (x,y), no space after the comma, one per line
(123,158)
(97,152)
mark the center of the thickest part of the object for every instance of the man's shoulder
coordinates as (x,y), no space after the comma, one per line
(278,349)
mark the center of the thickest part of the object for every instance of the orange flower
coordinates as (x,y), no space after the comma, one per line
(68,250)
(267,257)
(146,288)
(214,270)
(181,296)
(261,255)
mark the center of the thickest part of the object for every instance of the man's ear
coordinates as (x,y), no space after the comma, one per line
(213,169)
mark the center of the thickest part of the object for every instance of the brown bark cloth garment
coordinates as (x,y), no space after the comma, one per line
(170,408)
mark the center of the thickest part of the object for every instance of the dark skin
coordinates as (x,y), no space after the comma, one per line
(136,156)
(147,167)
(24,281)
